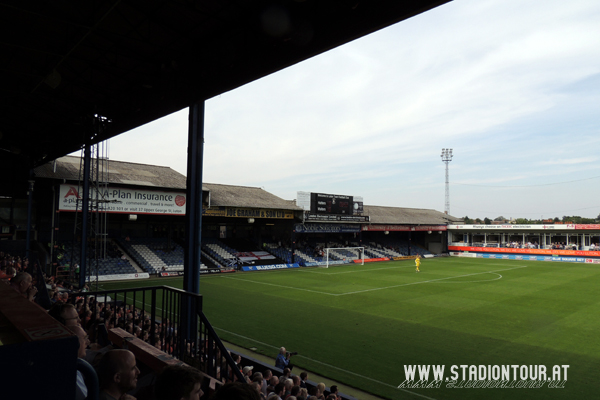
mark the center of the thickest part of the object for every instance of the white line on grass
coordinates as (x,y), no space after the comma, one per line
(356,271)
(429,281)
(481,280)
(379,288)
(274,284)
(327,365)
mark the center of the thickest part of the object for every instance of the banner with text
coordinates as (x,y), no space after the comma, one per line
(327,228)
(118,277)
(336,218)
(269,267)
(403,228)
(558,227)
(525,251)
(234,212)
(125,201)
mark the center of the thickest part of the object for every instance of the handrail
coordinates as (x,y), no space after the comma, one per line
(221,346)
(185,332)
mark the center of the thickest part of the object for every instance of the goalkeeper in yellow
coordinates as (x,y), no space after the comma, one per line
(418,263)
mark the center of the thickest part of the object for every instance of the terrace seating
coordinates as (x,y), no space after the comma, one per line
(153,256)
(110,264)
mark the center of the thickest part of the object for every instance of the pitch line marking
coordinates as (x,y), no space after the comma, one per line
(429,281)
(355,271)
(276,285)
(327,365)
(482,280)
(380,288)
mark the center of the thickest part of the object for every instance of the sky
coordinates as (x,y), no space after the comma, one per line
(512,86)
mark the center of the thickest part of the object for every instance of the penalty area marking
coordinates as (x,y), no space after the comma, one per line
(327,365)
(356,271)
(386,287)
(481,280)
(429,281)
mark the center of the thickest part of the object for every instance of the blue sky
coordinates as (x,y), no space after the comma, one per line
(513,87)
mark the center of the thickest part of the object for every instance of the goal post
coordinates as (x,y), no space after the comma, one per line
(349,254)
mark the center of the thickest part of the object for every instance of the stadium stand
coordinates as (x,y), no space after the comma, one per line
(111,262)
(154,255)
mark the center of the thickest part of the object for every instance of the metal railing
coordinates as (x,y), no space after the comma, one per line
(170,319)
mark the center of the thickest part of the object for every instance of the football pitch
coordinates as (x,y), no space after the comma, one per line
(364,325)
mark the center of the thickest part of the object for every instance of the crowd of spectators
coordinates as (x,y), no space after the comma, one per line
(553,246)
(83,315)
(564,246)
(11,265)
(520,245)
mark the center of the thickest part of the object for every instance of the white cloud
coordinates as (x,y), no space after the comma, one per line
(492,79)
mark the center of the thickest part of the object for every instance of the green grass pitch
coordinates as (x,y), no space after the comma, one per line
(361,325)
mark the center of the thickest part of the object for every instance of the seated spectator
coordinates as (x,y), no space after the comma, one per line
(7,274)
(335,391)
(256,386)
(22,285)
(267,374)
(81,391)
(236,391)
(283,359)
(117,373)
(321,386)
(303,379)
(302,394)
(65,313)
(247,372)
(278,390)
(177,382)
(287,374)
(294,392)
(287,384)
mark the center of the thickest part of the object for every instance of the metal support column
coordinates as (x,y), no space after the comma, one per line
(193,221)
(293,245)
(85,211)
(29,215)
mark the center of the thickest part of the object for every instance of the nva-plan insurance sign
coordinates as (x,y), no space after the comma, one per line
(124,200)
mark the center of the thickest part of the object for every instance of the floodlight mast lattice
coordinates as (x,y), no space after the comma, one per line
(447,157)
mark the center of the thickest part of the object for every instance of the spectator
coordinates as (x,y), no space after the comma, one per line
(65,313)
(267,374)
(287,374)
(303,394)
(295,391)
(279,391)
(247,372)
(117,373)
(236,391)
(313,392)
(303,379)
(258,377)
(81,391)
(177,382)
(256,386)
(335,391)
(283,359)
(321,386)
(296,380)
(22,285)
(287,384)
(8,274)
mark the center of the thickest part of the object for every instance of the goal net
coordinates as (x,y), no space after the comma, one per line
(343,255)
